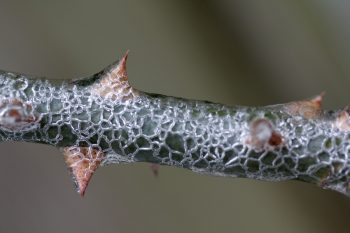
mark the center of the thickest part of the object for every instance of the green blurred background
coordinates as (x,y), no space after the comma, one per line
(233,52)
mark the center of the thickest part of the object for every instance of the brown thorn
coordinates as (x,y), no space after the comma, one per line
(347,109)
(121,68)
(318,100)
(82,162)
(310,109)
(342,122)
(114,82)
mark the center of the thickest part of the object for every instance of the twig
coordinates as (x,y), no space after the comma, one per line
(102,120)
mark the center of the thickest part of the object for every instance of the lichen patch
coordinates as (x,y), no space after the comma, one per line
(82,163)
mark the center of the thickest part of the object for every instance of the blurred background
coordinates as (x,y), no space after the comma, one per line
(236,52)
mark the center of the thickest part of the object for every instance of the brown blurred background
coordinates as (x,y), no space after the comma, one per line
(241,52)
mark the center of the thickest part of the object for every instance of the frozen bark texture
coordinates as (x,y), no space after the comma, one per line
(100,120)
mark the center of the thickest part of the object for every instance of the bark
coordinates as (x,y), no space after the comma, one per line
(102,119)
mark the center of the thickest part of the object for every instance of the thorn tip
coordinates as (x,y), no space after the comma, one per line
(318,100)
(121,68)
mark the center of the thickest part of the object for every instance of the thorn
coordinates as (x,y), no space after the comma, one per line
(317,101)
(341,122)
(311,108)
(347,109)
(82,162)
(113,82)
(121,67)
(155,169)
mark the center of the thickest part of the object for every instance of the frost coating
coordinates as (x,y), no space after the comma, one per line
(201,136)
